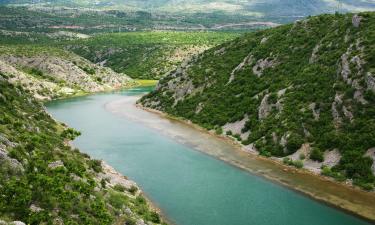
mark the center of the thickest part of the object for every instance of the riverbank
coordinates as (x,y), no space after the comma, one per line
(114,178)
(349,199)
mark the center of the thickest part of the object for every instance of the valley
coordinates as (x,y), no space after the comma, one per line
(218,112)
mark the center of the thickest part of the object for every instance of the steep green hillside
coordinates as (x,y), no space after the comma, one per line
(43,180)
(146,55)
(49,72)
(304,90)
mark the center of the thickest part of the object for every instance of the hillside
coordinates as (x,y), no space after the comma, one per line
(304,92)
(49,72)
(31,18)
(146,55)
(271,10)
(43,180)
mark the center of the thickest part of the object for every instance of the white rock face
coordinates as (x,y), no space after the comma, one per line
(246,61)
(314,53)
(264,108)
(371,153)
(263,64)
(236,127)
(356,20)
(315,111)
(17,223)
(332,158)
(56,164)
(370,82)
(114,177)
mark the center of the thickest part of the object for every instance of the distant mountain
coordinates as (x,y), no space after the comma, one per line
(254,8)
(303,91)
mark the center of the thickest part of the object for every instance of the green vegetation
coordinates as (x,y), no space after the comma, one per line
(39,21)
(43,180)
(146,55)
(307,82)
(317,155)
(295,163)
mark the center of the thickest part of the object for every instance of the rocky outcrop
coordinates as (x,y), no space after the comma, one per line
(315,111)
(237,127)
(356,20)
(114,178)
(56,164)
(314,54)
(334,108)
(248,60)
(370,82)
(371,153)
(263,64)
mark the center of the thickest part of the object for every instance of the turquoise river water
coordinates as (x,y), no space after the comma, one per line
(191,188)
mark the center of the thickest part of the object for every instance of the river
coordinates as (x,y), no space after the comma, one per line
(189,186)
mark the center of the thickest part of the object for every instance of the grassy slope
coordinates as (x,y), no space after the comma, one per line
(206,98)
(72,193)
(146,55)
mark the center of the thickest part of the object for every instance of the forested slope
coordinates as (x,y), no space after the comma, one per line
(305,91)
(146,55)
(43,180)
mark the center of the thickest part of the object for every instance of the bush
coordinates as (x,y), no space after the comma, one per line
(70,134)
(133,189)
(154,217)
(219,130)
(117,200)
(290,162)
(238,137)
(298,163)
(96,165)
(294,143)
(119,187)
(317,155)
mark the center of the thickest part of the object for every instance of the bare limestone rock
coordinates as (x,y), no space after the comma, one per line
(264,40)
(264,108)
(358,96)
(332,158)
(263,64)
(251,149)
(220,51)
(246,61)
(345,67)
(199,108)
(236,127)
(141,222)
(348,114)
(371,153)
(56,164)
(35,208)
(315,111)
(113,177)
(370,82)
(356,20)
(335,113)
(17,223)
(314,54)
(13,164)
